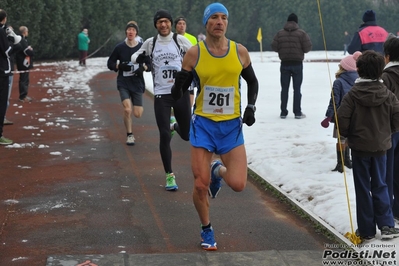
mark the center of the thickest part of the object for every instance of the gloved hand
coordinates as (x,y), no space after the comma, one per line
(180,80)
(148,67)
(142,58)
(326,122)
(147,60)
(249,116)
(139,71)
(11,39)
(124,66)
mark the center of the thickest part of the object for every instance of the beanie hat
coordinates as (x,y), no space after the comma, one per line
(212,9)
(293,17)
(369,15)
(178,19)
(162,13)
(349,62)
(3,15)
(132,24)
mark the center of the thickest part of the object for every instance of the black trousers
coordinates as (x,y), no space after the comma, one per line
(182,113)
(3,100)
(296,72)
(23,84)
(82,57)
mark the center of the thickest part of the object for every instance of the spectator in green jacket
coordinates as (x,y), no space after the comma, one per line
(83,46)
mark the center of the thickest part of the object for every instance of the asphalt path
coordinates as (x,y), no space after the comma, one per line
(75,190)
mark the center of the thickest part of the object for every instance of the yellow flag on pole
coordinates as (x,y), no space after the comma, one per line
(259,37)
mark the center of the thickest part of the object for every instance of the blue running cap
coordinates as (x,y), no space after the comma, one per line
(212,9)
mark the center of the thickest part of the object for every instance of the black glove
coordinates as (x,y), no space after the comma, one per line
(142,58)
(11,39)
(181,80)
(249,116)
(147,60)
(124,66)
(148,67)
(139,71)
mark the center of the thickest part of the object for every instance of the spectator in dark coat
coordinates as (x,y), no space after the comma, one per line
(367,116)
(347,41)
(369,36)
(390,76)
(5,72)
(291,43)
(24,62)
(15,49)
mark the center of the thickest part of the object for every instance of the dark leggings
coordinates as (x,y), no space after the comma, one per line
(182,113)
(23,84)
(3,101)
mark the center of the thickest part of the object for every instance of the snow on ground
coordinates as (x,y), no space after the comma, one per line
(294,155)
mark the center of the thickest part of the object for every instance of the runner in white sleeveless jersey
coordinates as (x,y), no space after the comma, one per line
(165,58)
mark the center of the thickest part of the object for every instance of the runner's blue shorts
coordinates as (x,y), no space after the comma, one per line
(217,137)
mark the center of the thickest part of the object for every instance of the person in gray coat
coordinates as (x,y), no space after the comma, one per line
(291,43)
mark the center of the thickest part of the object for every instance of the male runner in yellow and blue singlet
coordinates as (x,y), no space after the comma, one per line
(216,65)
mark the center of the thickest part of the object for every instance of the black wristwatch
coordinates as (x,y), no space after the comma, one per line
(253,107)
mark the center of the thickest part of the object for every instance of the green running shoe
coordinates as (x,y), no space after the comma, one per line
(172,125)
(171,182)
(5,141)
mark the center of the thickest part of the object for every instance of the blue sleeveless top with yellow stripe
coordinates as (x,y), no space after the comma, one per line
(218,82)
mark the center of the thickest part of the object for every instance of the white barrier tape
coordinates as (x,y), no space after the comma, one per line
(90,55)
(25,71)
(32,70)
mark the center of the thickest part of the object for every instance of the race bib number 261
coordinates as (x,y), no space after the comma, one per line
(218,100)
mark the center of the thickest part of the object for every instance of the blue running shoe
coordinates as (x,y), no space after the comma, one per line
(216,184)
(208,239)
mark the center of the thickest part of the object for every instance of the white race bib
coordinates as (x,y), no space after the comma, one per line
(218,100)
(166,74)
(134,67)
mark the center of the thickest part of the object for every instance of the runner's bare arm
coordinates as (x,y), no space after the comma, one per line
(244,55)
(190,58)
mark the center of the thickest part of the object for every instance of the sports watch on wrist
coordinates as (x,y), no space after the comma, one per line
(253,107)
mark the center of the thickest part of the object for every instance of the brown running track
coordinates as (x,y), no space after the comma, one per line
(74,187)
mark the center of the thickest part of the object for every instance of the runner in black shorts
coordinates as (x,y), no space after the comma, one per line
(130,81)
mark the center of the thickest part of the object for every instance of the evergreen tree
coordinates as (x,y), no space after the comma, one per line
(54,24)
